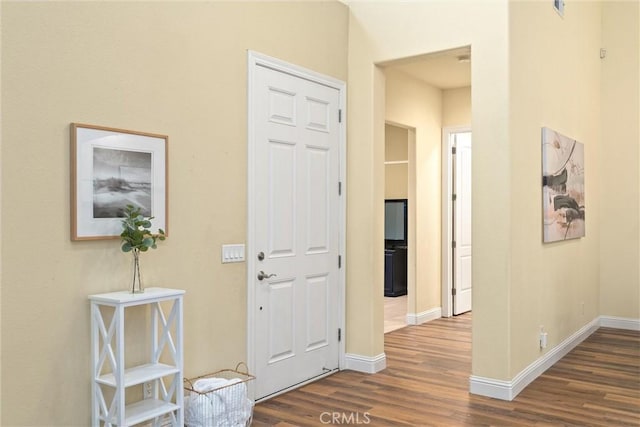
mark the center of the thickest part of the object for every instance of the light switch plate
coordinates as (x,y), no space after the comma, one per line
(232,253)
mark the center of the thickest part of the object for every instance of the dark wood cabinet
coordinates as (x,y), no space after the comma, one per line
(395,271)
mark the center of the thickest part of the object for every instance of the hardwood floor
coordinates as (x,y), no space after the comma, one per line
(395,313)
(427,379)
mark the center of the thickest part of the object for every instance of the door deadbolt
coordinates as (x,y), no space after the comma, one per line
(260,256)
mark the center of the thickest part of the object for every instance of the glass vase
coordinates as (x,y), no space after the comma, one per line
(136,283)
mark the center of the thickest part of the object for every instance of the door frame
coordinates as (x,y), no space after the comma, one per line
(254,60)
(447,217)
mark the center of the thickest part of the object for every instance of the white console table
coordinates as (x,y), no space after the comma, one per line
(111,377)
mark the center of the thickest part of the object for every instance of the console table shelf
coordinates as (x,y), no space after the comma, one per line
(145,410)
(161,382)
(140,374)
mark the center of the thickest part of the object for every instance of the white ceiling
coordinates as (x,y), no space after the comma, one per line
(442,69)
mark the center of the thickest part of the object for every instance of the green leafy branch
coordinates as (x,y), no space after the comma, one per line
(136,235)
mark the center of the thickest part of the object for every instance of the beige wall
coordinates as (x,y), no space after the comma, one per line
(1,204)
(418,105)
(620,162)
(553,284)
(183,73)
(456,107)
(175,68)
(396,181)
(396,175)
(365,212)
(395,143)
(1,186)
(429,27)
(520,283)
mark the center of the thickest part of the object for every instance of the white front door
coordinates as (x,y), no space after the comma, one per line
(462,224)
(296,238)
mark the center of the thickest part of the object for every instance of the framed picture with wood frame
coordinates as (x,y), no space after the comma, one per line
(110,169)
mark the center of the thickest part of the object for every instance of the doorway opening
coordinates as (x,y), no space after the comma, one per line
(399,247)
(423,96)
(456,220)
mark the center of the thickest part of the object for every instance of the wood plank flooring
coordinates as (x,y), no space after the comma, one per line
(395,313)
(427,379)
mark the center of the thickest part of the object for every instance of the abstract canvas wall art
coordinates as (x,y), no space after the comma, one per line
(562,187)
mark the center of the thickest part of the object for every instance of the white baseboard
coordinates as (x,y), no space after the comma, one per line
(489,387)
(620,323)
(425,316)
(366,364)
(508,390)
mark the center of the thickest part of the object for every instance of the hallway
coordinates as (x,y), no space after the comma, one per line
(427,379)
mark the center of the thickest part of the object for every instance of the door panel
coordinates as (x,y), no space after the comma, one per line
(462,224)
(317,191)
(282,198)
(317,114)
(281,321)
(296,151)
(282,106)
(317,321)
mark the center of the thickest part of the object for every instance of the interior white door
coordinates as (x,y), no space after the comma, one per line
(462,224)
(296,145)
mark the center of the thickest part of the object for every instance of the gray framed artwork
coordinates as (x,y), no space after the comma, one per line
(112,168)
